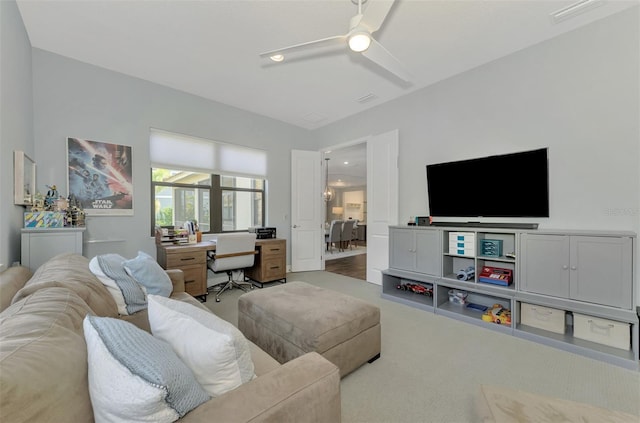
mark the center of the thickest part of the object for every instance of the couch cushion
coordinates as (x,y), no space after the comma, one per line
(262,362)
(136,377)
(148,273)
(43,359)
(71,271)
(216,352)
(11,281)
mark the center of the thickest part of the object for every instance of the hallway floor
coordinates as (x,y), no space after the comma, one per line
(354,266)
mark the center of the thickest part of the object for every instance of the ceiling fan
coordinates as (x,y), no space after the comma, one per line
(359,39)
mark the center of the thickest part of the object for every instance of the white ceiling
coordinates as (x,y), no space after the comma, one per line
(211,48)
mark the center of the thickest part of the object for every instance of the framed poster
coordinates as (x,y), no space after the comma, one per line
(100,177)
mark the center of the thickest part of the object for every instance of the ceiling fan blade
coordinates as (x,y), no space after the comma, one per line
(375,14)
(379,55)
(324,42)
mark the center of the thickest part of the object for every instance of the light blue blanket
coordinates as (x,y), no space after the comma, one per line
(113,266)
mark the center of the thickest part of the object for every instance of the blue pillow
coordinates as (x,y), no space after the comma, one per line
(148,273)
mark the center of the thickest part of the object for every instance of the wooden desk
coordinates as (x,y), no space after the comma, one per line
(270,263)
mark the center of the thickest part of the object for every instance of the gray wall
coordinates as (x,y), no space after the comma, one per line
(577,94)
(73,99)
(16,122)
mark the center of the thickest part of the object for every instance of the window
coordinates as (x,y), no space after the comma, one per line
(219,185)
(178,196)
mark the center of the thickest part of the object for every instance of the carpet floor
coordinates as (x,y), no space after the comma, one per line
(431,367)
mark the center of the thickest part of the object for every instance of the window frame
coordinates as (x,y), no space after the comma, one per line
(216,190)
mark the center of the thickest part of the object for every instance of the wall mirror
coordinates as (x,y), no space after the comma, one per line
(24,179)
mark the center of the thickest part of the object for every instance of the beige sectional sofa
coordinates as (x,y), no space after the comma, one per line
(43,355)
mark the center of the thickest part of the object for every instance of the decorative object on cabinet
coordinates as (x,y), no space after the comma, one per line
(24,179)
(100,176)
(44,219)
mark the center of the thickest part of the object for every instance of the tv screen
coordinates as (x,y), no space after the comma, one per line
(509,185)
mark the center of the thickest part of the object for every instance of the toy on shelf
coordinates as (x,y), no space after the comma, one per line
(416,288)
(457,297)
(497,314)
(466,274)
(496,276)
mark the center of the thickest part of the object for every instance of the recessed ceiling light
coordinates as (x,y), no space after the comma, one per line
(346,162)
(277,57)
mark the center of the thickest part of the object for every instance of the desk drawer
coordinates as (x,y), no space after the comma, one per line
(274,249)
(195,279)
(274,268)
(186,259)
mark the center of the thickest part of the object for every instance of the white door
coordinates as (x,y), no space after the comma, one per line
(307,234)
(382,200)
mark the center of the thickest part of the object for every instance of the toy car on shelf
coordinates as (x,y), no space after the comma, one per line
(416,288)
(497,314)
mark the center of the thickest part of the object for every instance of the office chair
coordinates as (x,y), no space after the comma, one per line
(234,251)
(334,235)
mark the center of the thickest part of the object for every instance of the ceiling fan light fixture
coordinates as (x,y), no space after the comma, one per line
(359,41)
(277,57)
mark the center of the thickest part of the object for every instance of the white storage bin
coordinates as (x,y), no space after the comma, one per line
(603,331)
(462,243)
(462,236)
(546,318)
(462,249)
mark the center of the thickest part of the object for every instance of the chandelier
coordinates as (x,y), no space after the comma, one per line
(327,194)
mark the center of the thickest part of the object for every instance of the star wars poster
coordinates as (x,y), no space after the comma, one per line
(100,176)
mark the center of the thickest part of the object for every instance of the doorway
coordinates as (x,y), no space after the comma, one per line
(345,200)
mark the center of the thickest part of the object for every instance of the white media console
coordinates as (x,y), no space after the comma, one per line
(570,289)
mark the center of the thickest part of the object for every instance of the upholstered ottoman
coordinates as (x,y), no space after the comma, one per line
(295,318)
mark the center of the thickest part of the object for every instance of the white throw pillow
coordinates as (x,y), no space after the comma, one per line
(148,273)
(134,376)
(214,349)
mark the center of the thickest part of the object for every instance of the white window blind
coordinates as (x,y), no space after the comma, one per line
(171,150)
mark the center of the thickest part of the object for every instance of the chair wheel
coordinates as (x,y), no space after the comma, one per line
(217,300)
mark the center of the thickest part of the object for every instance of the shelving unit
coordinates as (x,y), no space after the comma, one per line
(583,261)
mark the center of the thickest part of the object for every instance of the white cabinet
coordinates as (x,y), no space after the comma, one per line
(595,269)
(39,245)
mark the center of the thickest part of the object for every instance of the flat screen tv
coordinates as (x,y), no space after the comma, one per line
(508,185)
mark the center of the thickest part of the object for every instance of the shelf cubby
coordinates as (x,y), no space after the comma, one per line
(470,315)
(391,281)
